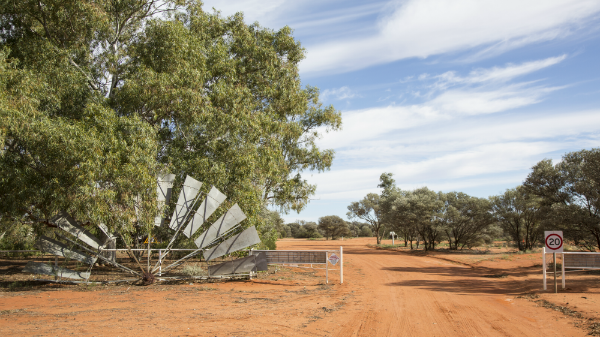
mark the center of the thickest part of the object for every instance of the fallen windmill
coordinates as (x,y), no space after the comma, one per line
(224,236)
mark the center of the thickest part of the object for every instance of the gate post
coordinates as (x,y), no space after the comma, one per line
(342,265)
(563,269)
(544,265)
(326,268)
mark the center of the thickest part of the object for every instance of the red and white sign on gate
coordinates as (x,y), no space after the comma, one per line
(333,259)
(554,241)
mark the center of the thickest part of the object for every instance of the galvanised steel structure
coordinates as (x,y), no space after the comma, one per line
(224,236)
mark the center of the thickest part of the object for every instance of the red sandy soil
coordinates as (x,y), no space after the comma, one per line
(385,293)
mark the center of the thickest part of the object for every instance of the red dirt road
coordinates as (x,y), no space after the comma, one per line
(406,295)
(385,293)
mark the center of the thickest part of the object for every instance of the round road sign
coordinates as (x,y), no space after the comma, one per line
(554,242)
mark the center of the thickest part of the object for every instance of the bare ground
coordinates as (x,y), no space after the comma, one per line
(385,293)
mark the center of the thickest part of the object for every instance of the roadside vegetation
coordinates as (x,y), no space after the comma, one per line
(564,196)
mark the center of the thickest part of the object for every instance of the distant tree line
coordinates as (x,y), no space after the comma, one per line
(328,227)
(563,196)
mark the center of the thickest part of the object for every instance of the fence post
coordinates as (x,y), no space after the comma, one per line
(544,265)
(159,262)
(341,264)
(555,286)
(326,268)
(563,269)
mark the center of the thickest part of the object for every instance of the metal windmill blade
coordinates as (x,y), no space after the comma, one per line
(163,194)
(224,236)
(206,209)
(226,222)
(187,198)
(76,243)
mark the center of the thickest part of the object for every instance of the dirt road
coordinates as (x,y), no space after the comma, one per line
(384,293)
(404,295)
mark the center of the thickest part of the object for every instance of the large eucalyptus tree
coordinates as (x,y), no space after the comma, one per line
(98,96)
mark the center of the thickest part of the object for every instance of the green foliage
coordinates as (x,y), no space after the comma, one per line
(570,195)
(365,231)
(64,150)
(467,220)
(98,97)
(269,228)
(333,226)
(518,213)
(356,229)
(193,270)
(304,230)
(425,215)
(286,231)
(420,210)
(16,237)
(368,209)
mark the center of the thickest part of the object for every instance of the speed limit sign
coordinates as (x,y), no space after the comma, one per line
(554,241)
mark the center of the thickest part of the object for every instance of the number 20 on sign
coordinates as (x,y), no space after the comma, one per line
(554,241)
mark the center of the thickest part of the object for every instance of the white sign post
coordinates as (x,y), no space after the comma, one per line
(392,234)
(334,259)
(554,244)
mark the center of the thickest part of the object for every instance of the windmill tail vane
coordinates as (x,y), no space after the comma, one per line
(222,237)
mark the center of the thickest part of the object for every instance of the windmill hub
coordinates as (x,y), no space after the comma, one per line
(148,278)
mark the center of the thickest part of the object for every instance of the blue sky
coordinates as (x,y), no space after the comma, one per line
(455,95)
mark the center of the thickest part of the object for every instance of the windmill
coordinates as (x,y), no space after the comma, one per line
(192,211)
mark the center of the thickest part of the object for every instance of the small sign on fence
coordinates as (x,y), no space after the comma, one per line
(333,259)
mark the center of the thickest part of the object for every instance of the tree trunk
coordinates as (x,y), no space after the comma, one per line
(597,236)
(111,243)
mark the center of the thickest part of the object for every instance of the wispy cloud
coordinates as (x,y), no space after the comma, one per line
(455,137)
(482,91)
(253,9)
(316,19)
(495,74)
(458,154)
(339,93)
(421,28)
(476,102)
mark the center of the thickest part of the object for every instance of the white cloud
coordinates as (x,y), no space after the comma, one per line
(339,94)
(495,74)
(421,28)
(366,124)
(254,10)
(475,102)
(320,19)
(370,123)
(482,91)
(464,153)
(314,18)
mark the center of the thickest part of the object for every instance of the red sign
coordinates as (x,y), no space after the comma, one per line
(333,259)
